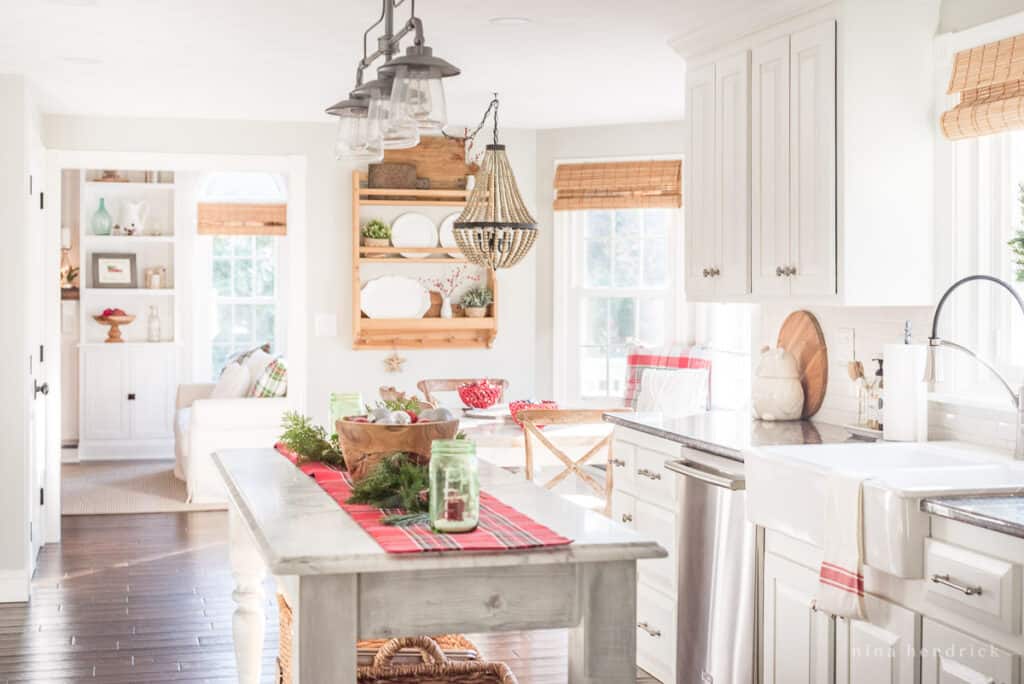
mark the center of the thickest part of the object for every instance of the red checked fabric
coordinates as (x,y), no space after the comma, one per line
(501,527)
(640,359)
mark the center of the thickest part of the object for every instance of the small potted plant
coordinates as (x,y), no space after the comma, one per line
(475,301)
(376,233)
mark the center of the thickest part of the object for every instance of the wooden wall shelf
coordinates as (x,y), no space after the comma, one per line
(411,333)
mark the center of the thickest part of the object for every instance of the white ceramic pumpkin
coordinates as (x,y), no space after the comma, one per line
(777,392)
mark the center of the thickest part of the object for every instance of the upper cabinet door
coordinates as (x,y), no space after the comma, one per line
(813,162)
(698,182)
(732,176)
(769,190)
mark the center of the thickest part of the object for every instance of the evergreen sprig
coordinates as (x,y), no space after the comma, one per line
(396,482)
(310,441)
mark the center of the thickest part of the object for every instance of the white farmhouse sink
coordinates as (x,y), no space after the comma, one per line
(786,491)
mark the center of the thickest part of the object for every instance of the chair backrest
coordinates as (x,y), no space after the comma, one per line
(431,385)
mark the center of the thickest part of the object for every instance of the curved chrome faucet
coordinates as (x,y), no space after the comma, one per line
(935,341)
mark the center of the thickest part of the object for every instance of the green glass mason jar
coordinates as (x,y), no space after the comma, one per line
(454,486)
(345,404)
(101,222)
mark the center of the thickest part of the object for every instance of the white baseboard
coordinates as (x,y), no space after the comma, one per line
(126,451)
(13,586)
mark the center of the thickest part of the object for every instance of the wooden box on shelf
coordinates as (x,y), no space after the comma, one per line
(412,333)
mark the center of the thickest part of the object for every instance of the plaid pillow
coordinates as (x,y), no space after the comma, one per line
(640,359)
(273,382)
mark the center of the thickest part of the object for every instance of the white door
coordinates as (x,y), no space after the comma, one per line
(769,188)
(879,650)
(104,410)
(732,176)
(698,182)
(813,176)
(149,393)
(951,657)
(798,643)
(36,387)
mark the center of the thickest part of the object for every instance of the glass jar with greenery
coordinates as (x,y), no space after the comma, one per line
(475,301)
(454,486)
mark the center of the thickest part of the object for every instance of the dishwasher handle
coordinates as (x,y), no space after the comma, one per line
(707,474)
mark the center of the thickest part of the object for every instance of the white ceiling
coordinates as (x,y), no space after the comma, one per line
(578,62)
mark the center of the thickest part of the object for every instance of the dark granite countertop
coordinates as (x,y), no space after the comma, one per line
(1003,512)
(728,433)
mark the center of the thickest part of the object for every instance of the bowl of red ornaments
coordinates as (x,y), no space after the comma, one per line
(514,407)
(480,394)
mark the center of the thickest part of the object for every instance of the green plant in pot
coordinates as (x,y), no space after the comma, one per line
(475,302)
(376,233)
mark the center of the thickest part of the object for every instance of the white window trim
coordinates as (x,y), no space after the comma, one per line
(562,279)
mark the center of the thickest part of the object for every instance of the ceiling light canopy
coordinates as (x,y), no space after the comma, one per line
(407,97)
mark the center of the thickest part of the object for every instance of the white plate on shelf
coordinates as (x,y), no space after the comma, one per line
(413,230)
(394,297)
(447,235)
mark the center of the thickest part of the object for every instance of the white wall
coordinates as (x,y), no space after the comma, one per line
(19,124)
(957,15)
(336,366)
(584,143)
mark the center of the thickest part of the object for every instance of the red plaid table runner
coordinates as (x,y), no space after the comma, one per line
(501,528)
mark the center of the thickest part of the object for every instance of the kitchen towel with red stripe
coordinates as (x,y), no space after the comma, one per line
(501,528)
(841,579)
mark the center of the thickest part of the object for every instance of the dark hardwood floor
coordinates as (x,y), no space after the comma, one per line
(147,598)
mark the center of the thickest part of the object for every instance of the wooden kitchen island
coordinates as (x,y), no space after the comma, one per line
(344,587)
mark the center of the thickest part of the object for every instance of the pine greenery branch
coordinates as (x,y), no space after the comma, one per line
(310,441)
(396,482)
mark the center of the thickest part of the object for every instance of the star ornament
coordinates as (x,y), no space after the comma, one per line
(393,363)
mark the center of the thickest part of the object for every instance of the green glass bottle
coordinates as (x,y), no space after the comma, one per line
(345,404)
(454,486)
(101,222)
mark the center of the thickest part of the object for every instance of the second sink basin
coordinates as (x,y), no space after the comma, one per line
(786,491)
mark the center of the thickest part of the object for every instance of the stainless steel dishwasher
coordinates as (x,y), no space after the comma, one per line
(717,549)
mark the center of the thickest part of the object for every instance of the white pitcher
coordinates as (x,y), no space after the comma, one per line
(133,217)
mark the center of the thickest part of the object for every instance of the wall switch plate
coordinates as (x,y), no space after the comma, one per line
(325,325)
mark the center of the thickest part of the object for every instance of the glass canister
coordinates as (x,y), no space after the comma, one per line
(454,486)
(344,404)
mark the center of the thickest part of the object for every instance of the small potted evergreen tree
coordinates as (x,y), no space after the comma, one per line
(475,301)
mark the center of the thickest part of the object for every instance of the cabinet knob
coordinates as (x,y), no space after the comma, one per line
(131,397)
(618,463)
(706,272)
(791,270)
(779,271)
(626,517)
(715,272)
(650,630)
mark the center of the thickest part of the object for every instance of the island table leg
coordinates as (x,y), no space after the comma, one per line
(602,647)
(328,622)
(248,623)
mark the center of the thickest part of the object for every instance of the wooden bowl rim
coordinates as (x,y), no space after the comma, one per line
(127,318)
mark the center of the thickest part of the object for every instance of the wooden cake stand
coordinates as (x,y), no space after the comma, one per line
(115,323)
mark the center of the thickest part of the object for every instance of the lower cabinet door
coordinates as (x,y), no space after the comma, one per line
(797,642)
(656,633)
(104,411)
(624,509)
(151,394)
(880,650)
(952,657)
(659,524)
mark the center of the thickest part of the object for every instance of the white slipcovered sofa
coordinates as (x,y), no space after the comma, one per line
(203,425)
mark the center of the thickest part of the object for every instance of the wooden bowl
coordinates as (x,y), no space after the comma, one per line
(364,445)
(115,323)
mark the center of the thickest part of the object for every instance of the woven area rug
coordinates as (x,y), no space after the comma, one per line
(112,487)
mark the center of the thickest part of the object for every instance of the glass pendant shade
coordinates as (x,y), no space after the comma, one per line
(397,129)
(358,137)
(421,96)
(495,230)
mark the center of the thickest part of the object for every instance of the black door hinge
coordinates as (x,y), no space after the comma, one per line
(42,497)
(42,354)
(30,185)
(42,200)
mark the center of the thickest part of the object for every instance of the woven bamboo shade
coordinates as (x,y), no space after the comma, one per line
(990,81)
(242,219)
(495,229)
(619,185)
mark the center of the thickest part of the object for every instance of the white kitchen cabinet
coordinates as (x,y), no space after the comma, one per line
(879,650)
(127,400)
(798,642)
(952,657)
(731,267)
(698,182)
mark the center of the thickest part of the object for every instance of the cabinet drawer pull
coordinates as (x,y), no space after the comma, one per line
(656,633)
(626,517)
(618,463)
(715,272)
(649,474)
(945,581)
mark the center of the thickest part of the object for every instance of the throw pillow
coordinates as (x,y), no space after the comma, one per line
(257,363)
(243,356)
(273,382)
(233,383)
(640,359)
(673,392)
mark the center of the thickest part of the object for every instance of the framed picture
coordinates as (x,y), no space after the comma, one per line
(114,270)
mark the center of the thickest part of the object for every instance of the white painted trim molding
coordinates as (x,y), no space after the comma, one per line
(14,586)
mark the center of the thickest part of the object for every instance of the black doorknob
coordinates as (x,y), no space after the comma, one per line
(43,389)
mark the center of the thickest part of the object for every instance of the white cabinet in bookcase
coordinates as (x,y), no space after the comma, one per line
(644,498)
(127,407)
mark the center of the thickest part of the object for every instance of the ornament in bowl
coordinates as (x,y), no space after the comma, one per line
(514,407)
(480,394)
(777,393)
(115,318)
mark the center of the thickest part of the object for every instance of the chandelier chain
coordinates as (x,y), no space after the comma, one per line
(470,137)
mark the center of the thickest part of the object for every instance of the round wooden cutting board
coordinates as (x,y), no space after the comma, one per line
(801,336)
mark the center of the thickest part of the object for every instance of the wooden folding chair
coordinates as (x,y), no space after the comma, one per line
(532,419)
(431,385)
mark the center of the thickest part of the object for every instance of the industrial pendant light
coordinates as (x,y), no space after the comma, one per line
(495,229)
(407,96)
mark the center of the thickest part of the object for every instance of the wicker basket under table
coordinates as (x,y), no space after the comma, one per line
(455,645)
(435,668)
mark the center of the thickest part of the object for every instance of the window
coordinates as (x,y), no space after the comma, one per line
(243,272)
(986,212)
(618,293)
